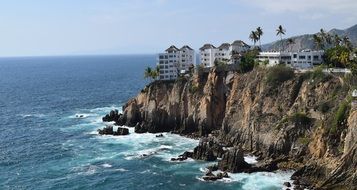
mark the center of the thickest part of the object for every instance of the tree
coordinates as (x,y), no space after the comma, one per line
(328,39)
(291,42)
(337,40)
(318,42)
(148,72)
(337,56)
(347,43)
(259,33)
(254,37)
(280,32)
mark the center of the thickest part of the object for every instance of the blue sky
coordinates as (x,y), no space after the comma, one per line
(74,27)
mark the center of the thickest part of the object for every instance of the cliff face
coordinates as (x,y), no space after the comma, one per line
(298,119)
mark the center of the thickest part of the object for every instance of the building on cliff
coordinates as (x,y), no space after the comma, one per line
(299,60)
(229,53)
(175,61)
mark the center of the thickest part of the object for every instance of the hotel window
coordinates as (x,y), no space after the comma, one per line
(302,57)
(295,56)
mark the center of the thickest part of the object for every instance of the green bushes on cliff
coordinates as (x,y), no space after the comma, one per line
(300,119)
(279,74)
(248,62)
(340,117)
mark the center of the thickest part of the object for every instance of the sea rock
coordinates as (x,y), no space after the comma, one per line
(121,131)
(208,149)
(108,130)
(287,184)
(112,116)
(183,156)
(233,161)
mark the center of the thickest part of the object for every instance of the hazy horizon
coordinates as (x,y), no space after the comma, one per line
(139,27)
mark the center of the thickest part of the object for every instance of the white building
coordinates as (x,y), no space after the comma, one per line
(175,61)
(229,53)
(298,60)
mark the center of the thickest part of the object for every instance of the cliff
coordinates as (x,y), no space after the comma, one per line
(302,120)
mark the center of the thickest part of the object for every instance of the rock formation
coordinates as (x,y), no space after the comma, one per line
(299,123)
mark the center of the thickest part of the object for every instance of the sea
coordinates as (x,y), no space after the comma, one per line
(44,144)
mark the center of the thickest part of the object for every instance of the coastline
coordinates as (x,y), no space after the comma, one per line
(205,106)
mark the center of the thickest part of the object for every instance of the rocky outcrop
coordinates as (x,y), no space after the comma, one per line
(233,161)
(293,122)
(108,130)
(208,149)
(115,116)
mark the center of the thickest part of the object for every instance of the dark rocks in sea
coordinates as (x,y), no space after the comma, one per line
(183,156)
(209,176)
(208,149)
(115,116)
(287,184)
(160,135)
(108,130)
(122,131)
(233,161)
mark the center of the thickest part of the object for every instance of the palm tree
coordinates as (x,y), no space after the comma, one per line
(346,42)
(291,42)
(254,37)
(328,39)
(318,41)
(280,32)
(259,33)
(337,40)
(322,34)
(148,72)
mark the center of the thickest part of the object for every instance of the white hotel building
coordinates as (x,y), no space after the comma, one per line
(299,60)
(175,61)
(225,52)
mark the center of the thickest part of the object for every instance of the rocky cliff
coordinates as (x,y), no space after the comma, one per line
(305,121)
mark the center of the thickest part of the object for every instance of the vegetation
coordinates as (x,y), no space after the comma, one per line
(300,119)
(248,61)
(291,42)
(152,74)
(324,107)
(280,32)
(254,37)
(337,56)
(340,117)
(279,74)
(259,33)
(304,140)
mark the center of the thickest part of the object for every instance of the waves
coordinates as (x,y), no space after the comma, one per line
(146,156)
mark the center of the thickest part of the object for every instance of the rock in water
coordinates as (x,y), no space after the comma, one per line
(208,150)
(233,161)
(108,130)
(122,131)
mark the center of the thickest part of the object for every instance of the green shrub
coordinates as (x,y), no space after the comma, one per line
(340,117)
(304,140)
(279,74)
(300,119)
(324,107)
(193,89)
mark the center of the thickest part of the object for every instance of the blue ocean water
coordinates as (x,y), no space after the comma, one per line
(43,145)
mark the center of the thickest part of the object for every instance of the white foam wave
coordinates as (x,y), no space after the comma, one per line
(251,159)
(38,115)
(106,165)
(121,170)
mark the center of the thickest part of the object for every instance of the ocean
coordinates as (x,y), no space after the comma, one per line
(43,145)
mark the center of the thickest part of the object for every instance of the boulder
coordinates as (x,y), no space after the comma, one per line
(233,161)
(121,131)
(108,130)
(112,116)
(183,156)
(287,184)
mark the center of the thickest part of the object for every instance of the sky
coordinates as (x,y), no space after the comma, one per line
(96,27)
